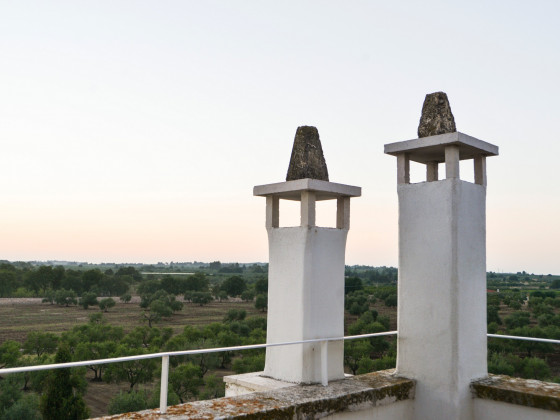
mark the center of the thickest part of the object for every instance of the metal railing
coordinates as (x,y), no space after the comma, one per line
(517,337)
(165,359)
(166,355)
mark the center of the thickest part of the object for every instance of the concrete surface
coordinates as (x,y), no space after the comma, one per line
(442,294)
(432,149)
(305,301)
(291,190)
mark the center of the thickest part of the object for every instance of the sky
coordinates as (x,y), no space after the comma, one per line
(134,131)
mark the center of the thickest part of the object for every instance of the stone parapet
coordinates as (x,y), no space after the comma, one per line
(525,392)
(346,398)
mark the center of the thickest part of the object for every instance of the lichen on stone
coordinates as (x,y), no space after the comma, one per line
(527,392)
(307,159)
(436,117)
(360,392)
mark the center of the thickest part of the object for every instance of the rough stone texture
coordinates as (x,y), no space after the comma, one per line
(307,159)
(527,392)
(359,393)
(437,117)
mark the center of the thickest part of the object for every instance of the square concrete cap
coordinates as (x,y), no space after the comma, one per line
(291,190)
(432,149)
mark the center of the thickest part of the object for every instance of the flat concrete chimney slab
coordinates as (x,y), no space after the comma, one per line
(291,190)
(432,149)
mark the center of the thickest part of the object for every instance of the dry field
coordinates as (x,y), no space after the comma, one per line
(18,317)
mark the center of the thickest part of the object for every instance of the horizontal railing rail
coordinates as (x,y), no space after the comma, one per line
(182,353)
(166,355)
(516,337)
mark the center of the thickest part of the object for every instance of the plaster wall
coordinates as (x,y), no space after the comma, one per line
(497,410)
(401,410)
(305,301)
(442,299)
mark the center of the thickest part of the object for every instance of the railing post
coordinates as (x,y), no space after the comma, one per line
(324,363)
(164,380)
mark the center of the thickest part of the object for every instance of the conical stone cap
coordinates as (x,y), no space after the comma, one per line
(437,117)
(307,159)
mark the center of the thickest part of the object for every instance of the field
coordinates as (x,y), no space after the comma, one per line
(21,316)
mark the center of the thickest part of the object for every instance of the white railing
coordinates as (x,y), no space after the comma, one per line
(165,357)
(516,337)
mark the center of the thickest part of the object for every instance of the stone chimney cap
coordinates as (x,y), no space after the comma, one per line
(307,159)
(436,117)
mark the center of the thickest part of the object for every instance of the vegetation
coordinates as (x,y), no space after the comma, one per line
(106,303)
(125,402)
(523,312)
(88,299)
(95,312)
(14,404)
(62,398)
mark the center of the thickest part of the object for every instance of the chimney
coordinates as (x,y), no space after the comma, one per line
(442,265)
(306,269)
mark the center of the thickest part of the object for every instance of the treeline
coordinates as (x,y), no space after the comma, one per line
(522,279)
(28,280)
(236,268)
(72,287)
(214,267)
(372,275)
(38,281)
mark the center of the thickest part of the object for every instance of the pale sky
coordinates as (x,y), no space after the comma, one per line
(134,131)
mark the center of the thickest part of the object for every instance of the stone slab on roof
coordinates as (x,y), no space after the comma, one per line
(527,392)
